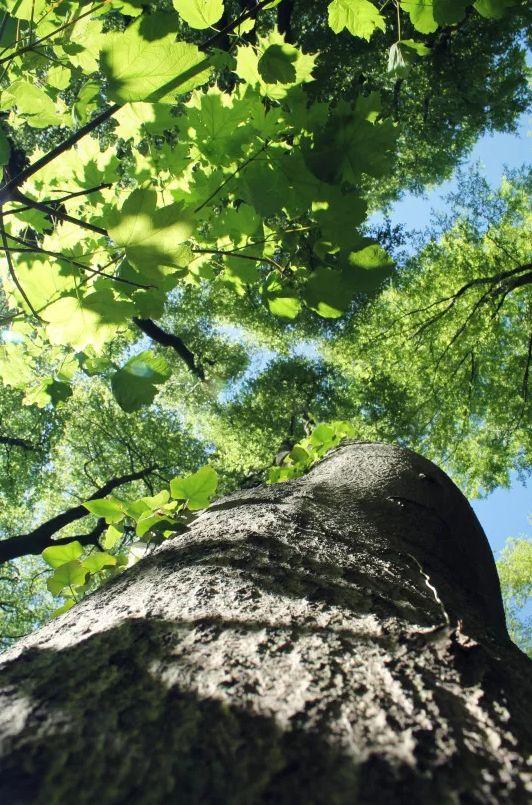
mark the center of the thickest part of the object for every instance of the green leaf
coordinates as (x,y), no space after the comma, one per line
(360,17)
(49,391)
(322,434)
(195,489)
(338,218)
(98,561)
(69,603)
(86,321)
(199,14)
(35,105)
(14,368)
(372,266)
(109,507)
(151,236)
(299,455)
(149,519)
(350,146)
(136,120)
(26,9)
(421,13)
(155,501)
(135,508)
(134,385)
(72,574)
(287,307)
(427,15)
(4,148)
(493,9)
(86,102)
(276,65)
(140,69)
(248,66)
(327,293)
(57,555)
(111,537)
(418,47)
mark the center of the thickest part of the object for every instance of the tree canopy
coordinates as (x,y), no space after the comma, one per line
(190,274)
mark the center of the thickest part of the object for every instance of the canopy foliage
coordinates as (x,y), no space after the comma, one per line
(189,275)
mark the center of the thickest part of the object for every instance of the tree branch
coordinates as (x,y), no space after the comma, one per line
(40,538)
(13,441)
(284,19)
(91,538)
(165,339)
(51,202)
(524,390)
(76,263)
(517,282)
(20,51)
(16,195)
(26,173)
(253,258)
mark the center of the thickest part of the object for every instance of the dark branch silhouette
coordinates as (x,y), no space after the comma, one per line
(284,19)
(13,441)
(40,538)
(165,339)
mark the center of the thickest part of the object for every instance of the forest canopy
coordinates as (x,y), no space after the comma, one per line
(195,295)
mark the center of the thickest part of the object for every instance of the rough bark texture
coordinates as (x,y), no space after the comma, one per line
(291,647)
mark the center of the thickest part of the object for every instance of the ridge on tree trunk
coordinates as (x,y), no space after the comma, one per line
(335,639)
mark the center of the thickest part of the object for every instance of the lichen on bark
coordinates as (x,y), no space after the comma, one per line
(336,639)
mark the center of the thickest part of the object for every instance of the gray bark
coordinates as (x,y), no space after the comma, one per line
(337,639)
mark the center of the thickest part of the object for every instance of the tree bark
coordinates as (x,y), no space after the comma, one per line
(336,639)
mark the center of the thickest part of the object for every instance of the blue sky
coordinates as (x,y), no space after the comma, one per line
(505,512)
(493,152)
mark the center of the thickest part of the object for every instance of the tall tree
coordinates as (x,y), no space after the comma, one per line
(181,186)
(339,638)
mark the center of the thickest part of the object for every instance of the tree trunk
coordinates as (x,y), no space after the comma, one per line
(337,639)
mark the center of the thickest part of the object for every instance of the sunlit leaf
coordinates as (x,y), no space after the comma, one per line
(360,17)
(139,69)
(68,575)
(199,13)
(57,555)
(196,489)
(151,235)
(109,507)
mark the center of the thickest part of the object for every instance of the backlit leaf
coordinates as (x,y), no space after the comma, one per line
(72,574)
(196,489)
(151,235)
(200,13)
(57,555)
(138,69)
(135,384)
(109,507)
(360,17)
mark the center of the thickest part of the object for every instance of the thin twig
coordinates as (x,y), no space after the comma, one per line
(255,259)
(232,176)
(12,272)
(61,216)
(61,28)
